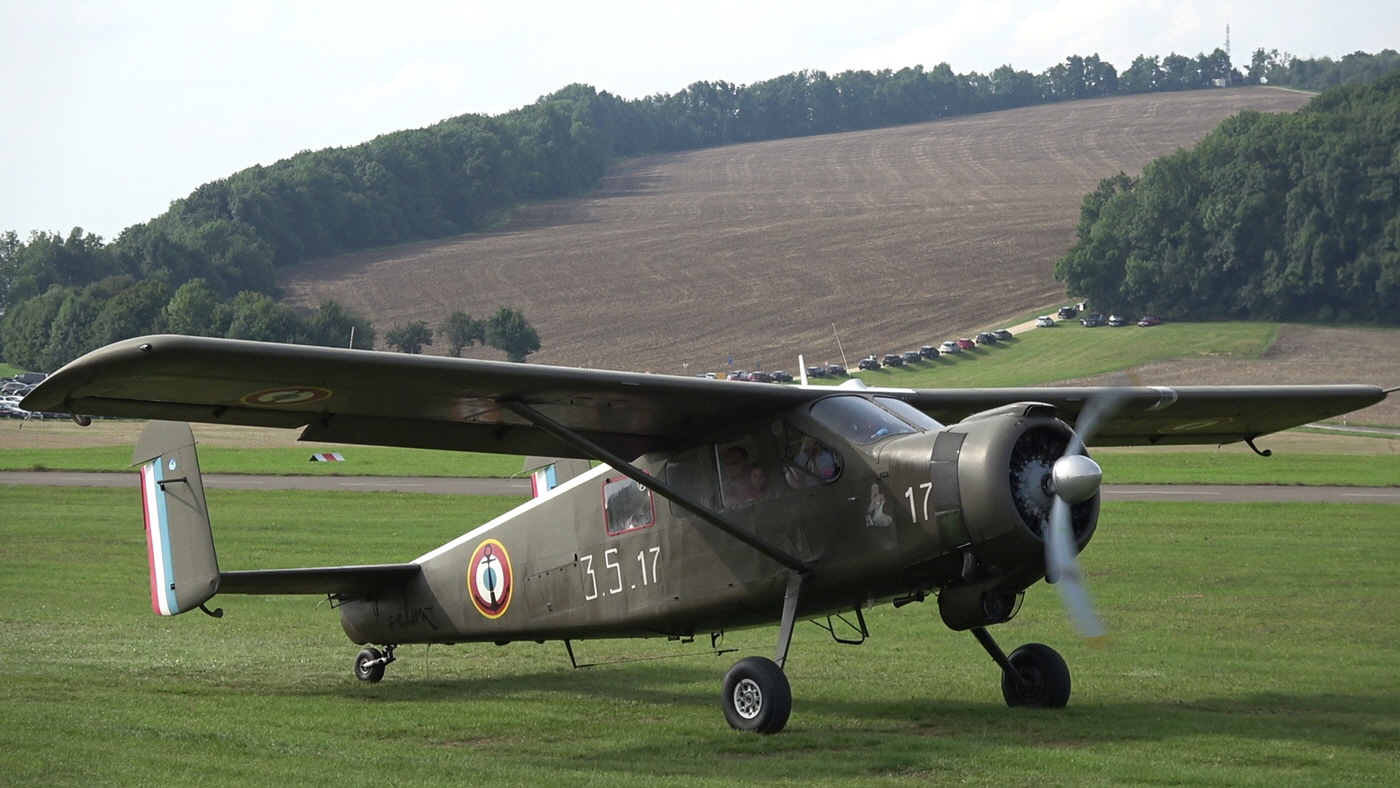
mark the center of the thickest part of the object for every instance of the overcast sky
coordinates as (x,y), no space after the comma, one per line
(113,108)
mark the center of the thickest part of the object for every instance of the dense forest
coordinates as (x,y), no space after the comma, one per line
(1270,217)
(220,245)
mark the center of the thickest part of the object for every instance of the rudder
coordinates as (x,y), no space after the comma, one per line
(180,545)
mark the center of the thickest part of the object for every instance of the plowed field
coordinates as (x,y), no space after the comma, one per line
(894,237)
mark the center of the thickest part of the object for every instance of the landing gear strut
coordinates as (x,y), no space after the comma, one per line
(1034,675)
(370,663)
(757,696)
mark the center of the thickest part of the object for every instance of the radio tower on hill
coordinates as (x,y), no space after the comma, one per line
(1230,63)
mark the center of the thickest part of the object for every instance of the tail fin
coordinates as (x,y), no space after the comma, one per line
(184,569)
(546,473)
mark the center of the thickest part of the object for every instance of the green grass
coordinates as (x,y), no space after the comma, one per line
(1070,350)
(1252,644)
(292,461)
(1243,467)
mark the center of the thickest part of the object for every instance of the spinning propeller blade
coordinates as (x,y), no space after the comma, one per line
(1074,479)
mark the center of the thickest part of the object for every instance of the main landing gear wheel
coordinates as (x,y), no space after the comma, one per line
(1045,678)
(370,662)
(756,696)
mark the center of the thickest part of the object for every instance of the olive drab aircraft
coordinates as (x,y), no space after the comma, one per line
(713,505)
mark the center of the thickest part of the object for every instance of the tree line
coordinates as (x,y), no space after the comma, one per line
(507,330)
(1270,217)
(49,330)
(467,172)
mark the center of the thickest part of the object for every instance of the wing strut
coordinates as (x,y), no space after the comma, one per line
(634,473)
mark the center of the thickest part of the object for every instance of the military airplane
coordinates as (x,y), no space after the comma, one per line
(713,505)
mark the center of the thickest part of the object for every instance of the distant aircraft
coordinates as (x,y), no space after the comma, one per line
(715,507)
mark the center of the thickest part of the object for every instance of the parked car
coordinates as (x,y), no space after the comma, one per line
(1003,334)
(1093,320)
(816,372)
(1149,320)
(781,376)
(1068,313)
(869,362)
(928,351)
(950,347)
(910,356)
(759,376)
(892,360)
(1117,320)
(984,338)
(966,344)
(737,374)
(836,371)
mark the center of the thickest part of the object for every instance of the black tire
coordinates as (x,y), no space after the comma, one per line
(367,665)
(1045,673)
(756,696)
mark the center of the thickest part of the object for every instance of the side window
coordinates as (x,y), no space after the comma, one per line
(741,479)
(806,461)
(627,505)
(693,473)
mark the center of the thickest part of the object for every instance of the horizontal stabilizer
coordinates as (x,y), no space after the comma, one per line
(337,580)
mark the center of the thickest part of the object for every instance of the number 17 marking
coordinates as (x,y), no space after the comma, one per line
(927,487)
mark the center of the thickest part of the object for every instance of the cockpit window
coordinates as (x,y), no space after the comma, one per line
(627,505)
(741,479)
(859,420)
(807,461)
(909,413)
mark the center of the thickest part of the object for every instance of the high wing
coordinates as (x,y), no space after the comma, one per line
(395,399)
(1166,415)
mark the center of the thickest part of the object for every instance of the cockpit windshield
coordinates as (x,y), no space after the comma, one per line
(909,413)
(859,420)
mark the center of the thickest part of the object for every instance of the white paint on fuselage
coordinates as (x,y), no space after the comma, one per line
(476,533)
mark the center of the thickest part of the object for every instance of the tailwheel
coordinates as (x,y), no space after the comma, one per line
(1041,680)
(370,663)
(756,696)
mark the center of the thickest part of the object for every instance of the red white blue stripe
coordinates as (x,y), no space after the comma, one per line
(542,481)
(158,538)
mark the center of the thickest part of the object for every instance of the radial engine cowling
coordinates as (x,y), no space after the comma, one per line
(992,477)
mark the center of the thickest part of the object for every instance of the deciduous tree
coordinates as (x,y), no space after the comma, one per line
(410,338)
(461,331)
(509,331)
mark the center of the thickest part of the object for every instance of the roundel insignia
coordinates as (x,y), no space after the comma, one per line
(490,579)
(290,395)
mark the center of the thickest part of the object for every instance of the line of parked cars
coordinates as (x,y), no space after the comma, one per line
(12,390)
(1094,319)
(950,347)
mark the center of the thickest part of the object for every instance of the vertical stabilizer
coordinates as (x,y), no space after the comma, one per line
(546,473)
(184,570)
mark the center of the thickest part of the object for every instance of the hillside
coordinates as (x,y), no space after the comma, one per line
(897,236)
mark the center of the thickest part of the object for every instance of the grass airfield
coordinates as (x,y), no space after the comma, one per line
(1251,644)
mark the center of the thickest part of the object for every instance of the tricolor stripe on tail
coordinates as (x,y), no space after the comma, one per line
(180,547)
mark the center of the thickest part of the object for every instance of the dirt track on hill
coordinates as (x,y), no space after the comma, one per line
(896,236)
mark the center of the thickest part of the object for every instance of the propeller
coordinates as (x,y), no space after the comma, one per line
(1073,479)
